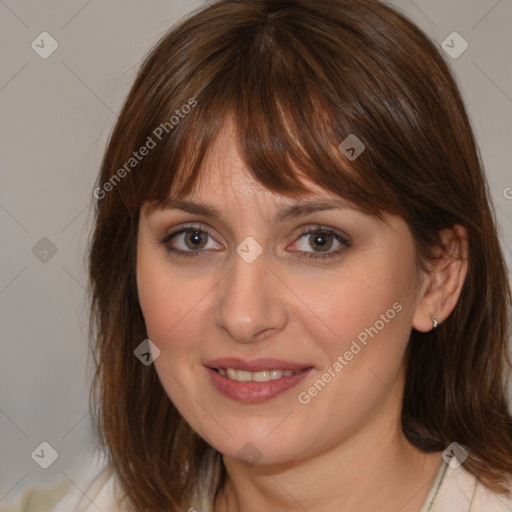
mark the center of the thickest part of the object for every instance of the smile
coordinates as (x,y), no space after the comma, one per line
(253,382)
(261,376)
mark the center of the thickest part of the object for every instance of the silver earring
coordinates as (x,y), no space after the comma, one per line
(434,320)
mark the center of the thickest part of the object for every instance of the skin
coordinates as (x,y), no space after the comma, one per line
(344,450)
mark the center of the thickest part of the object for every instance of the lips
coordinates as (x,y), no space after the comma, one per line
(255,381)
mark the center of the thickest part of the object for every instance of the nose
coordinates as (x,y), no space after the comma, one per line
(251,302)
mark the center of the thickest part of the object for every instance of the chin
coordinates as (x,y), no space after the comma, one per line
(253,450)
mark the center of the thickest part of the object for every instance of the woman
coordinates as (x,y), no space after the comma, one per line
(299,299)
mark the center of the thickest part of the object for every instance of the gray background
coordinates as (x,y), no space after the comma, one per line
(56,115)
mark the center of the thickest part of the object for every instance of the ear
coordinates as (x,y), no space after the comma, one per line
(442,286)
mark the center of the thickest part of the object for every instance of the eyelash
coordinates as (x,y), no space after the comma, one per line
(307,231)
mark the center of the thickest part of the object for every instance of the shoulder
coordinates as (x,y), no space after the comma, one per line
(103,493)
(100,491)
(461,491)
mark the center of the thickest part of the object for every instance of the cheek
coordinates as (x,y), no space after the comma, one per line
(370,299)
(166,297)
(170,304)
(366,312)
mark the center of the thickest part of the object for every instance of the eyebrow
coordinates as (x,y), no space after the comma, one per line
(299,209)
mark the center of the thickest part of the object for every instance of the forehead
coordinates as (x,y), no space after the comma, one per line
(243,196)
(224,175)
(226,186)
(228,181)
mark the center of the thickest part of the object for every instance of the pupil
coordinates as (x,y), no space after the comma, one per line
(320,240)
(194,237)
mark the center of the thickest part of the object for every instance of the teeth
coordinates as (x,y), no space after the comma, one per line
(239,375)
(276,374)
(261,376)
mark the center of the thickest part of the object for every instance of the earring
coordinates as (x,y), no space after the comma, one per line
(434,320)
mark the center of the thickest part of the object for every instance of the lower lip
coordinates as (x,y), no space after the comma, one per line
(255,392)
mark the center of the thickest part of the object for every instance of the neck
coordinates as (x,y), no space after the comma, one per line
(374,469)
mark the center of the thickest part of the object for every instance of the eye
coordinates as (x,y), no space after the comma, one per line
(196,241)
(191,241)
(321,240)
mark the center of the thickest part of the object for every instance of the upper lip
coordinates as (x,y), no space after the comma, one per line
(254,365)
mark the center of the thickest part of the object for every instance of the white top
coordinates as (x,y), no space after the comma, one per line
(453,490)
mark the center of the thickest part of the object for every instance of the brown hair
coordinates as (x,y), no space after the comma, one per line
(298,77)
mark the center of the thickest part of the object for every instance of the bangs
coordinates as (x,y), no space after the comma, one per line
(290,111)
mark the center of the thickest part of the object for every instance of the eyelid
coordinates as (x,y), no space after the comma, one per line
(302,230)
(342,238)
(186,227)
(320,227)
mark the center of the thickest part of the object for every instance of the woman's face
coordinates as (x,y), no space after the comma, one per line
(252,290)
